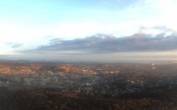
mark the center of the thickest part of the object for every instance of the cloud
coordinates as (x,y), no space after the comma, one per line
(164,28)
(14,45)
(109,48)
(103,43)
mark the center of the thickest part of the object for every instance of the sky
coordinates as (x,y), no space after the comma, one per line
(88,30)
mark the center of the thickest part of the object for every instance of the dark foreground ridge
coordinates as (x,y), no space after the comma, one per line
(50,99)
(59,86)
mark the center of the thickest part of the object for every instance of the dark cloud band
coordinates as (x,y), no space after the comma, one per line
(102,43)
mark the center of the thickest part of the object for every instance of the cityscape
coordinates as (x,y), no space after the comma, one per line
(119,86)
(88,55)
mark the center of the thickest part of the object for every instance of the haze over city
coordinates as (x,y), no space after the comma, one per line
(88,55)
(101,30)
